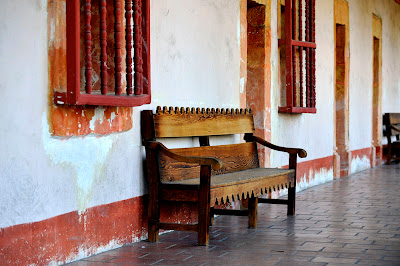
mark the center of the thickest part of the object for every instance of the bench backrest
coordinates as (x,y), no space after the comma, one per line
(391,119)
(191,122)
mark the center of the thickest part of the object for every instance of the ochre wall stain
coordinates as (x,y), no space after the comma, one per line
(243,52)
(67,120)
(258,86)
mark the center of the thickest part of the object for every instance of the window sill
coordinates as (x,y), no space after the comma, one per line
(297,110)
(104,100)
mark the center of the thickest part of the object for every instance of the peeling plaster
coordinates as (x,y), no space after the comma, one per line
(313,178)
(259,120)
(359,164)
(98,117)
(242,85)
(85,155)
(86,251)
(321,176)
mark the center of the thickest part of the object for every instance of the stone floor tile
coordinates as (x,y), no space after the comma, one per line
(103,257)
(334,260)
(338,223)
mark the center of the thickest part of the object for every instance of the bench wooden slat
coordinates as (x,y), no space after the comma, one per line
(235,157)
(244,184)
(394,118)
(203,124)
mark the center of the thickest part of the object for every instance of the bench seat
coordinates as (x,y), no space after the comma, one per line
(244,184)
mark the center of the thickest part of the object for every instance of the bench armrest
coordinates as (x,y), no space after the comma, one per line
(214,162)
(302,153)
(395,128)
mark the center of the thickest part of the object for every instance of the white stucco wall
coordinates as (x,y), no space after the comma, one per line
(25,189)
(390,14)
(361,66)
(314,132)
(195,53)
(195,62)
(360,82)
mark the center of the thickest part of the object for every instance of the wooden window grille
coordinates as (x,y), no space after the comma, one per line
(298,42)
(89,46)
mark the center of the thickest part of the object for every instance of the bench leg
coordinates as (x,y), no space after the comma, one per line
(153,220)
(211,216)
(204,228)
(204,205)
(253,206)
(389,155)
(153,207)
(291,200)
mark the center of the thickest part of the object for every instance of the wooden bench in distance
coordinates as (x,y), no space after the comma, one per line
(392,125)
(209,175)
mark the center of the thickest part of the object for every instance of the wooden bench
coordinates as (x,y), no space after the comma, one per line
(392,129)
(209,175)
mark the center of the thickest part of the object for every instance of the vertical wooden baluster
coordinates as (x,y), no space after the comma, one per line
(118,46)
(301,50)
(138,43)
(294,52)
(129,47)
(288,55)
(103,45)
(88,46)
(146,46)
(308,72)
(313,54)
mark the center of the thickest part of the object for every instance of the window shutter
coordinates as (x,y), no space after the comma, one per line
(131,84)
(299,45)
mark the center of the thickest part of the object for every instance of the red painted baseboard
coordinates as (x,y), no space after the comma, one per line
(71,236)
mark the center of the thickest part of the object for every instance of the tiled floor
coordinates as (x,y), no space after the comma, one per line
(355,220)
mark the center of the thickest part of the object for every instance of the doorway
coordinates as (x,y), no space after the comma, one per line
(341,153)
(376,153)
(258,96)
(341,106)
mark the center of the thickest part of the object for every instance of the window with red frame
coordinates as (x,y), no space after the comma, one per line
(297,47)
(108,53)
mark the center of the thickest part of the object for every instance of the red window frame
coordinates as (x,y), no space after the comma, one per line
(299,47)
(139,84)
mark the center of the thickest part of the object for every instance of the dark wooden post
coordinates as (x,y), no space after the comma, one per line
(204,205)
(292,188)
(153,175)
(388,133)
(153,208)
(253,206)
